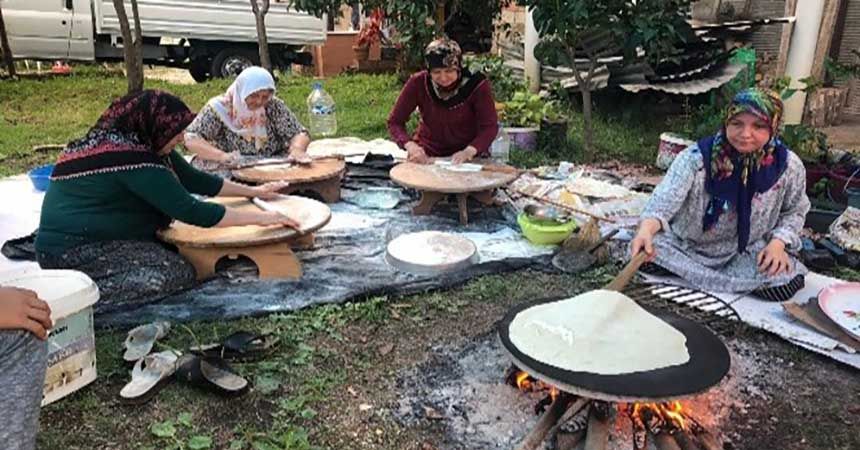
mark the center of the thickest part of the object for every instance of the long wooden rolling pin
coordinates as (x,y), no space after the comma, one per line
(560,205)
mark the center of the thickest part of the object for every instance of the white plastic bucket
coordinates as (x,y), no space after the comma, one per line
(71,342)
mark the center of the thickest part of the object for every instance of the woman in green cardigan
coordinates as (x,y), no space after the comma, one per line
(114,188)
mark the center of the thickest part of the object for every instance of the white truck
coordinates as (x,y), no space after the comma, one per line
(211,38)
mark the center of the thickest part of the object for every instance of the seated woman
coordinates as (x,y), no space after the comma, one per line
(247,120)
(727,216)
(458,114)
(114,188)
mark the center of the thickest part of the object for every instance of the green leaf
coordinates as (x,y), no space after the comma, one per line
(163,429)
(308,413)
(267,384)
(184,419)
(238,444)
(199,442)
(263,445)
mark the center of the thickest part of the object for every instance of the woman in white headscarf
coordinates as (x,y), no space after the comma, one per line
(247,120)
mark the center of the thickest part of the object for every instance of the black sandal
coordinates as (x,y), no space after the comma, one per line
(240,346)
(210,373)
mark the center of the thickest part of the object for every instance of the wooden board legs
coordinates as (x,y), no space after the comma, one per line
(272,260)
(463,206)
(427,202)
(328,190)
(430,199)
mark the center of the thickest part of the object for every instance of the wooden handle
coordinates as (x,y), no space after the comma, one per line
(562,206)
(623,278)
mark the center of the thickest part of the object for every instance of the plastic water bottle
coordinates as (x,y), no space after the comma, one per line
(500,149)
(323,122)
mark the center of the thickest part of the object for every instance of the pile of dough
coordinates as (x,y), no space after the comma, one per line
(602,332)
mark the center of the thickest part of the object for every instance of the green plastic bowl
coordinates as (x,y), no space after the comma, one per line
(543,232)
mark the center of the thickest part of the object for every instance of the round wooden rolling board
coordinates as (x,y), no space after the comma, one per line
(433,178)
(317,170)
(311,214)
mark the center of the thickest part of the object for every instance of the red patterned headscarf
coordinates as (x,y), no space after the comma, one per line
(128,135)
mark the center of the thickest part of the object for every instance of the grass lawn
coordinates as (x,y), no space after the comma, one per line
(55,110)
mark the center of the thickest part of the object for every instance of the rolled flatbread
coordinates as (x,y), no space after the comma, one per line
(601,332)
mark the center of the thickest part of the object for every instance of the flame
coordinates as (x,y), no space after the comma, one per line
(670,412)
(674,411)
(523,382)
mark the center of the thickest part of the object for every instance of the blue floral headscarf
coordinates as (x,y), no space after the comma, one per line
(732,178)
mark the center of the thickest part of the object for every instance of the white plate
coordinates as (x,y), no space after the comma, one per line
(841,303)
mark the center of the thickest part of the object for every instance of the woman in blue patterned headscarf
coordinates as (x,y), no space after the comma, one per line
(728,215)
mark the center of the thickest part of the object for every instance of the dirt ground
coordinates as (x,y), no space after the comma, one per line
(346,397)
(801,406)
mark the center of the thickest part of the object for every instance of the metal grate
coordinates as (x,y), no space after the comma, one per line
(692,304)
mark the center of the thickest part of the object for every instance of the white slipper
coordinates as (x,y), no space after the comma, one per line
(149,374)
(141,339)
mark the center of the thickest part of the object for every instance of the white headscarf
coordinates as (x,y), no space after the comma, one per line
(234,112)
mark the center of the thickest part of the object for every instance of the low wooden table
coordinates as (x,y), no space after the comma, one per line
(270,248)
(437,182)
(322,176)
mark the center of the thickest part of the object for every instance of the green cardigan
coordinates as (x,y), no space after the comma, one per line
(125,205)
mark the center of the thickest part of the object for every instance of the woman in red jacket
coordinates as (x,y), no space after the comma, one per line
(458,114)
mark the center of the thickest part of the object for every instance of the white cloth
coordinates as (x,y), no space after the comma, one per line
(234,112)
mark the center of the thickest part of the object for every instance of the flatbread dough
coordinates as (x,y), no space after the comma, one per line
(464,167)
(602,332)
(431,248)
(590,187)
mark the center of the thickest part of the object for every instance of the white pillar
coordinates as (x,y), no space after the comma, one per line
(532,66)
(801,54)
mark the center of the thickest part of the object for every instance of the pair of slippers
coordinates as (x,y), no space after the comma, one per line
(203,366)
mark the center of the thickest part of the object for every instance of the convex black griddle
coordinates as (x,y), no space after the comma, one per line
(709,361)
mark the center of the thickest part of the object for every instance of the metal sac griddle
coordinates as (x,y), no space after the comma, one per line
(709,363)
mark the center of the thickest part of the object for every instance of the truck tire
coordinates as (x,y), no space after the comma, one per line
(199,70)
(230,61)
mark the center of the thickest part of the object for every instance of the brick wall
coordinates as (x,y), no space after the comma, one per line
(851,40)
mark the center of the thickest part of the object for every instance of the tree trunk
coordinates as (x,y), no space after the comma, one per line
(585,89)
(7,51)
(262,39)
(132,46)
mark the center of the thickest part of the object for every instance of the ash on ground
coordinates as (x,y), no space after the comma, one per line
(460,391)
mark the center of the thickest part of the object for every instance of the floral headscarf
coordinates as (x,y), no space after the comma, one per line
(443,53)
(128,135)
(234,112)
(733,178)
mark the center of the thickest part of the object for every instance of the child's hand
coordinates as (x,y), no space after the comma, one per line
(21,309)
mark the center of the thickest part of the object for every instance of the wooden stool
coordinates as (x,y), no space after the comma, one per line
(270,248)
(435,183)
(322,176)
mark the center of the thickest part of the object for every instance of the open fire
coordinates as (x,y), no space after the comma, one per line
(569,420)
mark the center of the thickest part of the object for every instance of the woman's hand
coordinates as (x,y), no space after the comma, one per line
(464,155)
(229,158)
(269,191)
(773,260)
(644,239)
(299,157)
(277,218)
(21,309)
(415,153)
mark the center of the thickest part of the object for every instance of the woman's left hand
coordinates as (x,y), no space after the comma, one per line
(464,155)
(269,191)
(774,260)
(299,157)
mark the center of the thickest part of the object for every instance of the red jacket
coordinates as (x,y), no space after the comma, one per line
(446,127)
